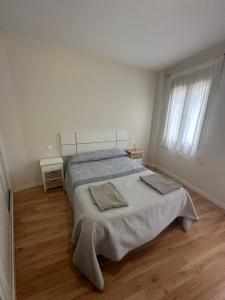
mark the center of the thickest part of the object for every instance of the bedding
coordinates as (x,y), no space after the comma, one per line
(161,183)
(106,196)
(97,155)
(114,232)
(77,174)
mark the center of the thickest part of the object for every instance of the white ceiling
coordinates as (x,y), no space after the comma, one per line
(148,33)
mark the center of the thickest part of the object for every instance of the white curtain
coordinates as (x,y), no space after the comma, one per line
(189,97)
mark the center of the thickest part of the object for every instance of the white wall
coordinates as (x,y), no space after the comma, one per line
(10,125)
(208,173)
(55,88)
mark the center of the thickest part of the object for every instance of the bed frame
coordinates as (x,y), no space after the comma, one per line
(83,141)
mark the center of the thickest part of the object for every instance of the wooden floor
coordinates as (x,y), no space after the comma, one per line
(175,265)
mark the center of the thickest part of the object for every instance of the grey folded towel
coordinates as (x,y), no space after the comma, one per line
(161,184)
(106,196)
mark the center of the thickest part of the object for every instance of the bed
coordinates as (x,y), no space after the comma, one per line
(114,232)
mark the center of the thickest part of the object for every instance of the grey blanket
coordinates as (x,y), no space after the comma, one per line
(96,171)
(106,196)
(114,232)
(160,183)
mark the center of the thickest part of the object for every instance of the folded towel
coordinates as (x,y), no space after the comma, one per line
(161,184)
(106,196)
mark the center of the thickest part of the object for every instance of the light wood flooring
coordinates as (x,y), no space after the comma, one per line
(175,265)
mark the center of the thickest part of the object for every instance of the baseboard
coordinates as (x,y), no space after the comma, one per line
(27,186)
(13,267)
(211,198)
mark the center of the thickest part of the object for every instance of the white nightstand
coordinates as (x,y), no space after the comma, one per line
(52,172)
(136,154)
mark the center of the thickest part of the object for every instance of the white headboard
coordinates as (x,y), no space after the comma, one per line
(83,141)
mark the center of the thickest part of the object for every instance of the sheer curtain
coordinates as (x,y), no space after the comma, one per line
(189,97)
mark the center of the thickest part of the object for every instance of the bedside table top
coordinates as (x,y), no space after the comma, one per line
(51,161)
(136,151)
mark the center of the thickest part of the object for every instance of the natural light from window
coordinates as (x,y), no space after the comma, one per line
(185,115)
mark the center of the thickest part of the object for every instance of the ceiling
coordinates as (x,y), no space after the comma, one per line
(149,33)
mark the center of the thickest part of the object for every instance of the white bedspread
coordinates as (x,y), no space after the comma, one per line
(115,232)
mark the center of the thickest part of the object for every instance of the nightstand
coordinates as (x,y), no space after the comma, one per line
(52,172)
(136,154)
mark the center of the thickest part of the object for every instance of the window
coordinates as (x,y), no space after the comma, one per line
(188,100)
(185,115)
(174,115)
(186,111)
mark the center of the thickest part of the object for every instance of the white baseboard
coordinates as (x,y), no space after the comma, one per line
(211,198)
(13,267)
(27,186)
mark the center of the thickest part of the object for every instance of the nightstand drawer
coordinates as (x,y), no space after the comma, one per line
(54,183)
(54,174)
(137,155)
(52,167)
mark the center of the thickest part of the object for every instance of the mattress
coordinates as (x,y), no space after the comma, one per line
(115,232)
(85,172)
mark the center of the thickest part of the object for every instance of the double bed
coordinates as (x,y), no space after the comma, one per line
(114,232)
